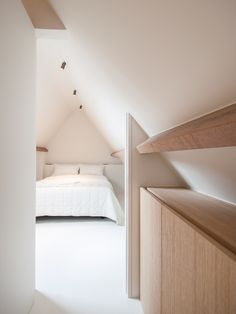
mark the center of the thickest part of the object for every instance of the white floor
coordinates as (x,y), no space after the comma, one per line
(80,268)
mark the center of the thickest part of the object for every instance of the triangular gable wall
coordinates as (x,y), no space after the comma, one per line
(78,140)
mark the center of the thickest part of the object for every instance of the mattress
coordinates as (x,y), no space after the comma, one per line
(77,195)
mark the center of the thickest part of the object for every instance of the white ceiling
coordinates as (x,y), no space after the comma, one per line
(55,99)
(163,61)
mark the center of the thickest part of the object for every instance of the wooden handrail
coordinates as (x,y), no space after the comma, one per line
(216,129)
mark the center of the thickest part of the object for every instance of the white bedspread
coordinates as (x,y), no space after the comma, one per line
(77,195)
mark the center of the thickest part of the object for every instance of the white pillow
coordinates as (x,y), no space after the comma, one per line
(61,169)
(91,169)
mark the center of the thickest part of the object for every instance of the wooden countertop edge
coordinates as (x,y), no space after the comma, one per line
(221,243)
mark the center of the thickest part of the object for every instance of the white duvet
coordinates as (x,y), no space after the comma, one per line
(77,195)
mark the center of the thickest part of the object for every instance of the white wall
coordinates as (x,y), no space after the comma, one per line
(79,141)
(17,160)
(116,175)
(210,171)
(142,170)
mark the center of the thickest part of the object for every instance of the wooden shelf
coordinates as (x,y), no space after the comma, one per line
(214,217)
(118,153)
(216,129)
(41,149)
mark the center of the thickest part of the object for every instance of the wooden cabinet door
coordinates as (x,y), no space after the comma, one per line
(197,276)
(215,279)
(150,250)
(182,271)
(205,276)
(178,265)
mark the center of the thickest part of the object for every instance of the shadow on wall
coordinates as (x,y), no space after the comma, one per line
(43,304)
(210,171)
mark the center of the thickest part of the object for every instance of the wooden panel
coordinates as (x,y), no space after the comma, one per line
(222,283)
(150,253)
(205,276)
(178,265)
(195,275)
(41,149)
(217,129)
(42,14)
(168,273)
(225,283)
(215,279)
(214,217)
(232,287)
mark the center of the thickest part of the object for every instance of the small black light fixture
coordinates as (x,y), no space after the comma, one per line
(80,107)
(63,65)
(74,92)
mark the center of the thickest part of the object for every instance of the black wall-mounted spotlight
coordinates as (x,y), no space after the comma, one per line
(63,65)
(74,92)
(80,107)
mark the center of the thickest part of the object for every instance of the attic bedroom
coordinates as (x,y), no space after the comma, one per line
(118,176)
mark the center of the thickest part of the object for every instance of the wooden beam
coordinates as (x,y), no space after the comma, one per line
(41,149)
(42,15)
(216,129)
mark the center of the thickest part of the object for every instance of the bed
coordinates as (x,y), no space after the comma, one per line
(77,195)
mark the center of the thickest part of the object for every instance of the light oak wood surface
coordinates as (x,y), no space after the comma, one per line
(232,286)
(150,253)
(205,276)
(216,218)
(216,129)
(215,279)
(178,265)
(183,269)
(225,284)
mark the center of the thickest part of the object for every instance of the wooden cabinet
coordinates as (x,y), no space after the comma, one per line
(183,270)
(150,246)
(178,262)
(215,279)
(205,276)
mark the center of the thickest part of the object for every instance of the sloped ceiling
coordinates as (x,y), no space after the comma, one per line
(55,99)
(163,61)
